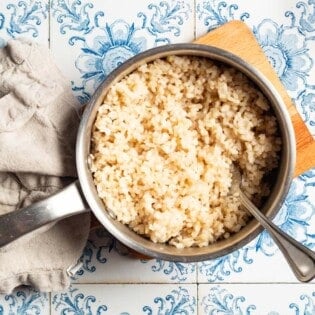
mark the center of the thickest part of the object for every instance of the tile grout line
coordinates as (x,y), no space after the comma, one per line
(254,283)
(189,284)
(49,303)
(197,284)
(49,36)
(49,23)
(197,298)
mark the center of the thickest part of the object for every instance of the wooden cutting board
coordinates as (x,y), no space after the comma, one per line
(237,38)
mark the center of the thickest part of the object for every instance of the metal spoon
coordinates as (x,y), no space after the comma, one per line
(300,258)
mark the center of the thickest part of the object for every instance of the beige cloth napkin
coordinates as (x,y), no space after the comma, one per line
(38,125)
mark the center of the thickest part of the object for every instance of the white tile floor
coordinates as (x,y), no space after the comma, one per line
(90,38)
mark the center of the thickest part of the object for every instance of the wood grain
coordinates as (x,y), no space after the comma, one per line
(237,38)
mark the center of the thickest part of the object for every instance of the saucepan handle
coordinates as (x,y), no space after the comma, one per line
(67,202)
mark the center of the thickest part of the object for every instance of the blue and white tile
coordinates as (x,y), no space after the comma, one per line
(285,33)
(289,47)
(126,299)
(246,266)
(24,18)
(276,299)
(212,14)
(98,36)
(105,260)
(258,261)
(25,301)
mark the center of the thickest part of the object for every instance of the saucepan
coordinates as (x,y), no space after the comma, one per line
(81,195)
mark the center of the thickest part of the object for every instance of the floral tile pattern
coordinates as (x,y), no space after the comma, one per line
(27,19)
(126,299)
(24,301)
(90,38)
(286,34)
(105,260)
(99,39)
(246,299)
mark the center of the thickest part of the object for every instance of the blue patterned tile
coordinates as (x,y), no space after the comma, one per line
(285,33)
(77,301)
(103,256)
(256,299)
(99,36)
(24,301)
(289,46)
(24,18)
(286,49)
(212,14)
(217,300)
(126,299)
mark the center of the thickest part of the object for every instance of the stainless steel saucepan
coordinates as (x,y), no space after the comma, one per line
(81,195)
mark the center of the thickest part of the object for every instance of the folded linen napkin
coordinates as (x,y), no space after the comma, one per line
(38,125)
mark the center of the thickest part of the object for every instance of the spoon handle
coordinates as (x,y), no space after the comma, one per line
(300,258)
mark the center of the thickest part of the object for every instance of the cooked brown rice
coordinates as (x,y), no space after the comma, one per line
(164,143)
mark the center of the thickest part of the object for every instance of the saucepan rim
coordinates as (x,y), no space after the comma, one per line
(164,251)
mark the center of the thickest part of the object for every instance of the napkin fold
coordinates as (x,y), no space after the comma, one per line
(38,125)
